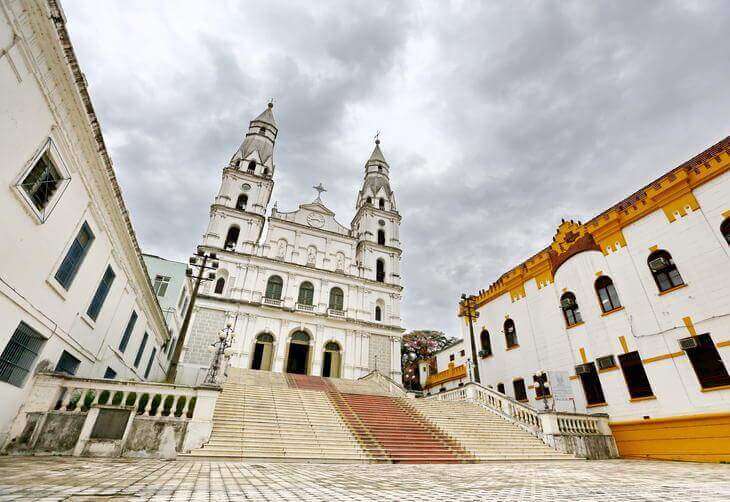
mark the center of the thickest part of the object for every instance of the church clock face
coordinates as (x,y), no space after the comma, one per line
(315,220)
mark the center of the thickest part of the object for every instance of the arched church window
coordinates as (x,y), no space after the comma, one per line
(571,312)
(273,287)
(510,334)
(219,285)
(306,293)
(232,237)
(266,171)
(252,166)
(265,338)
(486,344)
(380,270)
(607,295)
(378,313)
(665,272)
(242,201)
(381,203)
(725,230)
(337,299)
(381,237)
(300,336)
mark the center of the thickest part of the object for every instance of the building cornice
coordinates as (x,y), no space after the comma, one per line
(671,192)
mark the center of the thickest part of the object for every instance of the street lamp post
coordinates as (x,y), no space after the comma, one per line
(471,314)
(203,262)
(222,351)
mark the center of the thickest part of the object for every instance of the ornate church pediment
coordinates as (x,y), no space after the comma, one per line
(570,239)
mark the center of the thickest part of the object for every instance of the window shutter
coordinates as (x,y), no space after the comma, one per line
(75,255)
(128,332)
(140,351)
(149,363)
(101,293)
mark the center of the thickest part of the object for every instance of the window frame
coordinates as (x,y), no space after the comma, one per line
(48,149)
(220,281)
(160,287)
(54,280)
(594,373)
(276,281)
(485,348)
(66,357)
(140,350)
(523,390)
(334,296)
(637,390)
(667,271)
(380,270)
(305,296)
(101,293)
(149,364)
(128,330)
(571,315)
(607,286)
(510,337)
(709,345)
(17,366)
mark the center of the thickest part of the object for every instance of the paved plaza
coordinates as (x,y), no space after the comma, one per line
(615,480)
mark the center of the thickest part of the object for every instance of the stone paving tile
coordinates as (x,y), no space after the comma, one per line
(57,479)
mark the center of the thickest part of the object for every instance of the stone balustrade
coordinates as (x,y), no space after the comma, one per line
(54,394)
(583,435)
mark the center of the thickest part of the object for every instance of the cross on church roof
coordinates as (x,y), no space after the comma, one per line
(377,137)
(319,188)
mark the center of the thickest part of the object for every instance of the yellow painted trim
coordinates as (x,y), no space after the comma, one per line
(596,405)
(639,399)
(679,206)
(726,214)
(653,248)
(583,355)
(606,370)
(573,377)
(513,347)
(726,343)
(518,292)
(672,290)
(624,345)
(662,357)
(713,389)
(599,273)
(575,325)
(617,309)
(690,326)
(676,418)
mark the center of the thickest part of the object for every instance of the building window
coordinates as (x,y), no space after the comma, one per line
(500,388)
(75,256)
(67,364)
(220,284)
(274,287)
(171,350)
(140,350)
(708,365)
(725,230)
(486,344)
(19,355)
(306,293)
(665,272)
(380,270)
(252,166)
(381,203)
(520,389)
(378,313)
(110,374)
(369,200)
(242,201)
(510,333)
(381,237)
(337,299)
(149,363)
(232,238)
(591,383)
(570,309)
(41,182)
(635,375)
(101,293)
(451,357)
(127,332)
(161,284)
(607,295)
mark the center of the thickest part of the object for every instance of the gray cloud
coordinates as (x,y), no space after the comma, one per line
(497,119)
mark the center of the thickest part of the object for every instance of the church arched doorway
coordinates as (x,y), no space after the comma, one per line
(332,361)
(263,351)
(298,358)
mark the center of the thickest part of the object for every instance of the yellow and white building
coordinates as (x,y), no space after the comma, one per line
(633,307)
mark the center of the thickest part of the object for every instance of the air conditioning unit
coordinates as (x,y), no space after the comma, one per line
(658,264)
(485,353)
(606,362)
(567,303)
(688,343)
(583,369)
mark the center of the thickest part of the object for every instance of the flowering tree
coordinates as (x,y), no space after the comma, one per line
(419,345)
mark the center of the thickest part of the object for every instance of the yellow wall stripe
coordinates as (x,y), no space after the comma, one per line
(690,327)
(624,345)
(583,355)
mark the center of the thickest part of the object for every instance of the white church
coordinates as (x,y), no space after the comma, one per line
(302,293)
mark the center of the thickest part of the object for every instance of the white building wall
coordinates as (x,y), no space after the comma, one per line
(42,103)
(650,322)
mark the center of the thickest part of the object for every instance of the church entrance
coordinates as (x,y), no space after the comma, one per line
(262,352)
(298,359)
(331,361)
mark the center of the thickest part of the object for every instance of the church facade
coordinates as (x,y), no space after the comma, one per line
(302,292)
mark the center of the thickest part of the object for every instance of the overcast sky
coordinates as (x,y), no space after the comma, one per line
(497,118)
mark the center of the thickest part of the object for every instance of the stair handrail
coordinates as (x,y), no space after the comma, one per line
(388,384)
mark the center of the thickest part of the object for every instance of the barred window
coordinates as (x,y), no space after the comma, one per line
(41,182)
(19,355)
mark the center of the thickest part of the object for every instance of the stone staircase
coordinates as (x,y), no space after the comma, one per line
(485,435)
(268,416)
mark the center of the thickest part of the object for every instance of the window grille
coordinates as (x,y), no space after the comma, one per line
(19,355)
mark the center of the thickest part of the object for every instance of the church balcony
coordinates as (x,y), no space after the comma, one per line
(305,308)
(336,312)
(273,302)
